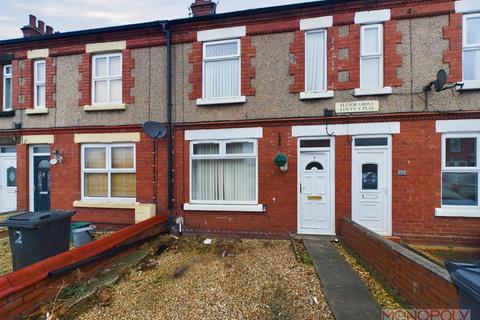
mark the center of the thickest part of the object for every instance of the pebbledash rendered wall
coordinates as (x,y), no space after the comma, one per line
(417,149)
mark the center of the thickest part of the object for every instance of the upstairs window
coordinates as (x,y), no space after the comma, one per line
(471,48)
(107,78)
(7,87)
(221,65)
(39,84)
(371,56)
(315,61)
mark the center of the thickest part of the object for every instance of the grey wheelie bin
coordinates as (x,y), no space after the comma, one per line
(466,277)
(35,236)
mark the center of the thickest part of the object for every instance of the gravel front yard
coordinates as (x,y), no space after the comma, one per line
(229,279)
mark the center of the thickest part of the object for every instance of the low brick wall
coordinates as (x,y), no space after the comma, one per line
(22,292)
(421,282)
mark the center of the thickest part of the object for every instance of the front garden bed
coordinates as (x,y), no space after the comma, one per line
(228,279)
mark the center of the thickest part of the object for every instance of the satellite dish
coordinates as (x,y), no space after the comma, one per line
(439,84)
(154,130)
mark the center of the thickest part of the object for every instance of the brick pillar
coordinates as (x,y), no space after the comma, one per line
(23,189)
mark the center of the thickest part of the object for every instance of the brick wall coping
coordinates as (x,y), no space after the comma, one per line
(427,264)
(16,281)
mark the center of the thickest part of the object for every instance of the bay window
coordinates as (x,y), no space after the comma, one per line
(7,87)
(107,78)
(223,172)
(221,69)
(471,50)
(39,84)
(109,172)
(371,56)
(460,171)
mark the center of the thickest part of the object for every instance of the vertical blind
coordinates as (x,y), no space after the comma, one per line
(222,69)
(371,60)
(224,175)
(315,61)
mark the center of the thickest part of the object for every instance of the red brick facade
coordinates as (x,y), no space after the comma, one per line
(85,80)
(195,76)
(392,58)
(297,68)
(343,70)
(453,56)
(22,84)
(350,41)
(66,180)
(417,149)
(50,82)
(128,81)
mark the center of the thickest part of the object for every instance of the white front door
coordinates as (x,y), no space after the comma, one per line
(371,183)
(315,194)
(8,183)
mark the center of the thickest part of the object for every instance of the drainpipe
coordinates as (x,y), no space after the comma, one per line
(169,115)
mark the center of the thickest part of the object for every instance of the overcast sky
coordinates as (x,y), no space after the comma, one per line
(85,14)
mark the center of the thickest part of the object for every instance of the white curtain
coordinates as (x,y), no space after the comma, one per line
(222,70)
(224,179)
(371,57)
(370,77)
(315,61)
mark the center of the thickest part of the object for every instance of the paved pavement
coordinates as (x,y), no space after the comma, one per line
(346,294)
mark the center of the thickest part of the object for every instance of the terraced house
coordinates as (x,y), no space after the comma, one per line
(279,120)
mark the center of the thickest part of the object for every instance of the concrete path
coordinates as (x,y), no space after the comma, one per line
(346,294)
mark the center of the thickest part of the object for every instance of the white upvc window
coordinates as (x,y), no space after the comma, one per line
(224,172)
(39,84)
(315,61)
(221,69)
(460,174)
(471,50)
(7,87)
(109,172)
(371,56)
(107,78)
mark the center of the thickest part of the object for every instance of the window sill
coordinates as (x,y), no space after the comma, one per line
(316,95)
(372,91)
(214,101)
(105,107)
(36,111)
(459,213)
(470,85)
(225,207)
(104,204)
